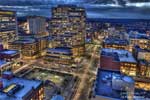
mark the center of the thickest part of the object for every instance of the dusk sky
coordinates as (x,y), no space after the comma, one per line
(95,8)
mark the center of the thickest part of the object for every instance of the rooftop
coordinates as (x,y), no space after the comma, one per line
(57,97)
(139,36)
(2,62)
(116,41)
(25,41)
(60,50)
(120,55)
(50,38)
(16,88)
(143,62)
(112,84)
(141,50)
(34,16)
(70,6)
(9,52)
(6,12)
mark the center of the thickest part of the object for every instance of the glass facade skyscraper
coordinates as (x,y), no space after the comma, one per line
(8,27)
(68,27)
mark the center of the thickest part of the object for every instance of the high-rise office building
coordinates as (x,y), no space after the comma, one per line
(8,27)
(37,25)
(68,28)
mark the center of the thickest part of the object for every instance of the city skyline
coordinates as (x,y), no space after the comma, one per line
(58,52)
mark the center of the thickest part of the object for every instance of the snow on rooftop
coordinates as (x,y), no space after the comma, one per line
(115,41)
(57,97)
(123,55)
(61,50)
(28,85)
(109,84)
(9,52)
(24,41)
(128,79)
(139,36)
(2,62)
(103,85)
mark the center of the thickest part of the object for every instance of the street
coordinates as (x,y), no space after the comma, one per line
(85,76)
(85,73)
